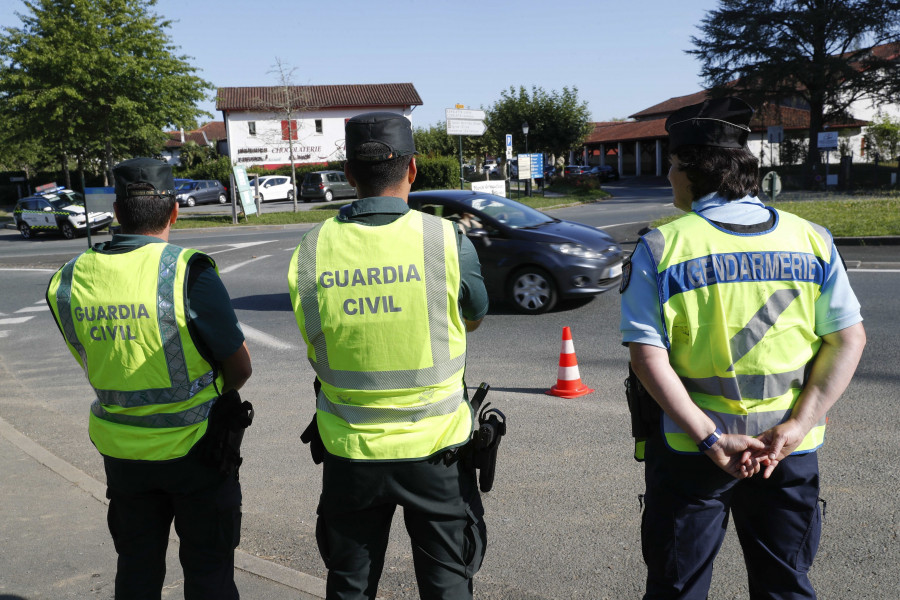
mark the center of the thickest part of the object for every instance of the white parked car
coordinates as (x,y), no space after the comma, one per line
(274,187)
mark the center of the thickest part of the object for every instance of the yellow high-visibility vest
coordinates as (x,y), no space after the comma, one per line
(378,309)
(739,317)
(123,318)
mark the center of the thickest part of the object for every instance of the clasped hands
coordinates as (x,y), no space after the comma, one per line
(743,456)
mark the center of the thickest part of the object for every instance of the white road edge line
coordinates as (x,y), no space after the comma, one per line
(30,269)
(33,309)
(241,264)
(265,339)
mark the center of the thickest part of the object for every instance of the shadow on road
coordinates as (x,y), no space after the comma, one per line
(265,302)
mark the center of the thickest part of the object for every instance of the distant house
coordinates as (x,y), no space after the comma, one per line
(212,134)
(260,133)
(640,146)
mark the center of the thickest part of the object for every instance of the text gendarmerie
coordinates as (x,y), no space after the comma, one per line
(111,312)
(369,276)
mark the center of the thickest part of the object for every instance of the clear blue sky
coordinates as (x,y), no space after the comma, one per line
(623,56)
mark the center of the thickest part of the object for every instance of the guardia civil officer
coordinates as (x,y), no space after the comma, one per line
(383,297)
(153,328)
(742,325)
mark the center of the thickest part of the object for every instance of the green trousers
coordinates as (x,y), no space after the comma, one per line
(442,511)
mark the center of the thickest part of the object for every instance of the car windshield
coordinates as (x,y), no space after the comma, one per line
(187,186)
(59,203)
(509,212)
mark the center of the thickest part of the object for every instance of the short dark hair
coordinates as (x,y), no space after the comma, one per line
(372,178)
(144,214)
(731,172)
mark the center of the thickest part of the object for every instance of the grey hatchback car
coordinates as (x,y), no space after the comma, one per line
(201,191)
(326,185)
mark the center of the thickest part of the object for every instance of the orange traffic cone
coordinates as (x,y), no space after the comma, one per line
(568,380)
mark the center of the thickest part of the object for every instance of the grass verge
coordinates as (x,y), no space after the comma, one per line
(844,218)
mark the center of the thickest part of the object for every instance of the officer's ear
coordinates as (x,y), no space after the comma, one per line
(349,174)
(411,175)
(174,216)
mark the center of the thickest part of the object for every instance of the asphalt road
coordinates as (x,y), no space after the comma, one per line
(563,517)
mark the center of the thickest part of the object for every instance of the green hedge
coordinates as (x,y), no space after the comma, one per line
(438,173)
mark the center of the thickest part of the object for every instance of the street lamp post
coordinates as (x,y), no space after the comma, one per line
(528,181)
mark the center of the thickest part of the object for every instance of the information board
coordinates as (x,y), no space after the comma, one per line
(245,192)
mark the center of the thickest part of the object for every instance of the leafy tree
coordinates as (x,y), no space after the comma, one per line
(813,53)
(557,121)
(193,154)
(95,79)
(883,137)
(434,141)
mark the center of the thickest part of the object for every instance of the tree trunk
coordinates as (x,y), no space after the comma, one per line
(67,177)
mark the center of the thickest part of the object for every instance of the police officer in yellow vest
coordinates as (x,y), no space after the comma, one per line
(383,297)
(153,328)
(742,325)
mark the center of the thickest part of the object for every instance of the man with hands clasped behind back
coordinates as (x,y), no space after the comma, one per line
(743,328)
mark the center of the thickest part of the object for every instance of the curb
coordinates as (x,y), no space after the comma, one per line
(308,586)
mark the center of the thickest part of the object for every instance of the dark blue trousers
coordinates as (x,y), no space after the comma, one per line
(687,503)
(144,499)
(442,511)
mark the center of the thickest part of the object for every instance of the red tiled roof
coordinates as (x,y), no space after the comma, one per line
(321,96)
(650,129)
(214,130)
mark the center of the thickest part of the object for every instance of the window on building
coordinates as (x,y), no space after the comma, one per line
(289,129)
(318,125)
(251,126)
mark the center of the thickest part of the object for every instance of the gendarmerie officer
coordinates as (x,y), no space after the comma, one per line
(153,328)
(742,325)
(383,297)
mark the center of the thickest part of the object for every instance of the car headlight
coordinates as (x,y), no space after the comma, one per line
(79,219)
(180,196)
(581,251)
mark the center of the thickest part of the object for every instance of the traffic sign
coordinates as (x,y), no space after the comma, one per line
(508,146)
(828,140)
(465,127)
(776,134)
(455,113)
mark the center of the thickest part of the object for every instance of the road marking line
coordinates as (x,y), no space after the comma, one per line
(33,309)
(4,334)
(265,339)
(14,320)
(239,265)
(30,269)
(241,246)
(875,270)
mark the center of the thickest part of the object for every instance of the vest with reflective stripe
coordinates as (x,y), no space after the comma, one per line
(740,323)
(123,318)
(384,335)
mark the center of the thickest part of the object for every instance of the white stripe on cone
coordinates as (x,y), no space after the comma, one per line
(568,373)
(567,347)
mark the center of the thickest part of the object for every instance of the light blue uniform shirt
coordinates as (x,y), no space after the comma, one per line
(837,308)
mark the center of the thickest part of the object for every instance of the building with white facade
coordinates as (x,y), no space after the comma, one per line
(265,124)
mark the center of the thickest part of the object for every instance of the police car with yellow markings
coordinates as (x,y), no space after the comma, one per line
(56,209)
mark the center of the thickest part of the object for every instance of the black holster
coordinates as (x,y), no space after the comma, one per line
(311,434)
(481,451)
(645,412)
(228,419)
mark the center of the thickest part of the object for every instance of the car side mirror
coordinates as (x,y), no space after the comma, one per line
(47,209)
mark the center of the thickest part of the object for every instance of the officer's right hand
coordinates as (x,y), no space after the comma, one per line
(738,455)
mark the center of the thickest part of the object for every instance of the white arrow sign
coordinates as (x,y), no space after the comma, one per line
(456,113)
(465,127)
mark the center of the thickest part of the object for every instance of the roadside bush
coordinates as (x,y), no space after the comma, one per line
(438,173)
(219,168)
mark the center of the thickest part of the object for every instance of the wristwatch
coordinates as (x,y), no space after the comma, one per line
(710,441)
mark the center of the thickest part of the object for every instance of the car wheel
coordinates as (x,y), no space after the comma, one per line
(532,290)
(222,199)
(25,230)
(68,231)
(328,196)
(190,201)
